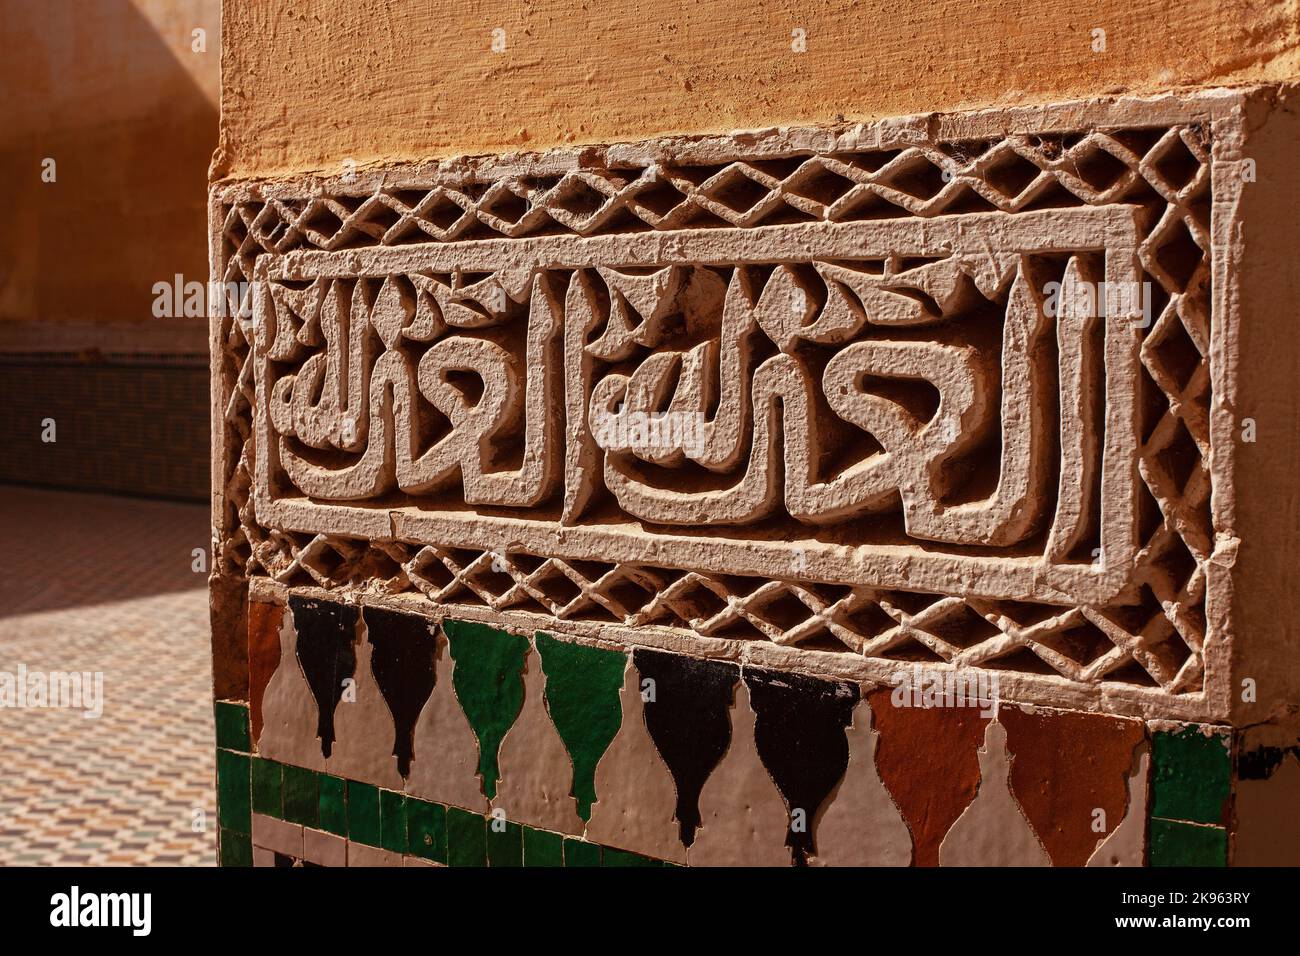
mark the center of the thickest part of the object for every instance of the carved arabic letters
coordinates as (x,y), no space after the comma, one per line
(777,415)
(863,386)
(399,398)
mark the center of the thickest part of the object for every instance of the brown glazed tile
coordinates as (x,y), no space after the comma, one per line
(278,835)
(264,622)
(324,849)
(364,729)
(1065,766)
(445,764)
(228,599)
(361,855)
(927,761)
(289,725)
(1126,844)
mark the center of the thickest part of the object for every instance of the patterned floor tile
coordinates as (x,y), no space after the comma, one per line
(107,584)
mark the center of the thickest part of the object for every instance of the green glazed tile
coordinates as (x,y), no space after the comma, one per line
(363,813)
(1191,775)
(505,845)
(612,857)
(543,848)
(488,678)
(392,821)
(233,791)
(236,848)
(1174,843)
(426,830)
(582,697)
(581,853)
(232,726)
(466,838)
(333,813)
(301,796)
(266,788)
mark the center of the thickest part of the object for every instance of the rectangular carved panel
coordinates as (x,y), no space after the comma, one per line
(884,391)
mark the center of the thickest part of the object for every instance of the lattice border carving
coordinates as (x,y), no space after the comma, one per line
(1159,156)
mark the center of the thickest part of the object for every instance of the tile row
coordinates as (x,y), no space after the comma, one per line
(293,816)
(708,762)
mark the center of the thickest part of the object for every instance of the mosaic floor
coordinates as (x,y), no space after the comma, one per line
(101,584)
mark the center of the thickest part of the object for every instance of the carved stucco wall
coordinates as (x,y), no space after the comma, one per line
(1031,493)
(970,391)
(384,81)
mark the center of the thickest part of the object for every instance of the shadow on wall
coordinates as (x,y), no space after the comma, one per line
(100,88)
(109,122)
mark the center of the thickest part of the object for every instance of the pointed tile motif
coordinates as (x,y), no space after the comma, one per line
(859,825)
(1066,766)
(993,830)
(932,792)
(536,773)
(635,797)
(1126,844)
(799,734)
(445,764)
(327,633)
(582,698)
(289,730)
(488,677)
(743,818)
(364,728)
(402,663)
(687,711)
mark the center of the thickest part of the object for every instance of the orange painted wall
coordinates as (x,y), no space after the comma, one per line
(308,85)
(113,92)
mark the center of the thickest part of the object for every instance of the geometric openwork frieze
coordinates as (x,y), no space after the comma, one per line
(918,396)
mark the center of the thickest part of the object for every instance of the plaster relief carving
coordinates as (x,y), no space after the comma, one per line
(868,405)
(915,397)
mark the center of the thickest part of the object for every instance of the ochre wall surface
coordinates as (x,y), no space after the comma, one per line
(1265,508)
(307,87)
(112,91)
